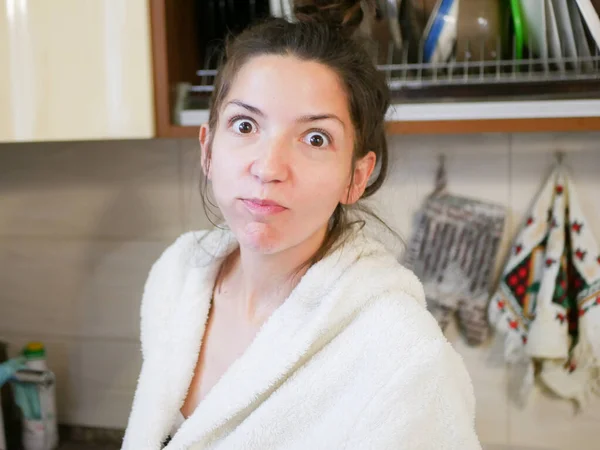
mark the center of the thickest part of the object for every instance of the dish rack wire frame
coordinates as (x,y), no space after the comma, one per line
(455,72)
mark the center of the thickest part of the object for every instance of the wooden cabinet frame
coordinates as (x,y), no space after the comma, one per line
(174,53)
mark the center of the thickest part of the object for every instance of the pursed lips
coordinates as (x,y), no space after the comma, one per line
(263,206)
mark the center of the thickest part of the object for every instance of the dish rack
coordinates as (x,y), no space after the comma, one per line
(499,78)
(464,72)
(460,78)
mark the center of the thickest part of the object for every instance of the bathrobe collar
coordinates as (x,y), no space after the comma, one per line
(301,322)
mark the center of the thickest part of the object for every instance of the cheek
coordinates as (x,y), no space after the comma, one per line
(223,176)
(225,167)
(325,187)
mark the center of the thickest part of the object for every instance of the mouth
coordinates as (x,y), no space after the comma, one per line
(263,206)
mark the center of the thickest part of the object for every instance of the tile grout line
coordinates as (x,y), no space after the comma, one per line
(70,338)
(86,238)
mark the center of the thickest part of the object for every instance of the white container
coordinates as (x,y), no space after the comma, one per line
(41,434)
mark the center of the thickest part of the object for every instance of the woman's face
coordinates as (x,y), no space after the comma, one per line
(282,153)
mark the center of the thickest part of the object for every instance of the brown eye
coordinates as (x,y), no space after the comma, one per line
(243,126)
(316,139)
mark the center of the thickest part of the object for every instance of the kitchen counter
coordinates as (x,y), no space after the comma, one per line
(86,446)
(73,437)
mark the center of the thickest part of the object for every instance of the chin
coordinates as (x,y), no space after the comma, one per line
(264,236)
(260,237)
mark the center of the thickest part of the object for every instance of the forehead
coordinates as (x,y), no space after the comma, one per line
(291,84)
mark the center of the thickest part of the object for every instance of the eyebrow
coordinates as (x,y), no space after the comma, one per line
(250,108)
(314,118)
(302,119)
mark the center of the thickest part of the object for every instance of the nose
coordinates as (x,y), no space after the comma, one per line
(272,162)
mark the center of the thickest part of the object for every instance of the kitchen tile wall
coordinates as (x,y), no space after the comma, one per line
(81,224)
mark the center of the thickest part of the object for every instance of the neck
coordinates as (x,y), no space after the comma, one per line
(265,281)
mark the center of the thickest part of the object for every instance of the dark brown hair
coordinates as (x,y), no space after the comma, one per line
(325,33)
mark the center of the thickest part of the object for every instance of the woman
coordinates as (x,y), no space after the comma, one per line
(288,328)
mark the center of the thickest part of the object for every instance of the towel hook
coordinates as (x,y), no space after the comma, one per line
(441,177)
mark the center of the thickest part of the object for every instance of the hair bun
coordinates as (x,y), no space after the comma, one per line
(342,14)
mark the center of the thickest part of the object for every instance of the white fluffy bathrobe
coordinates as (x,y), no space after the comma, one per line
(351,360)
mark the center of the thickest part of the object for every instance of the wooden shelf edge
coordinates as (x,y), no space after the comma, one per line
(566,124)
(178,131)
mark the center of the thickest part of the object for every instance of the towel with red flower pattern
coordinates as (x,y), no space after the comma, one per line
(547,305)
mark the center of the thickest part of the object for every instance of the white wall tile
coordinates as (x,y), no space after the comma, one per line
(475,163)
(584,167)
(556,142)
(549,422)
(121,189)
(74,287)
(514,447)
(489,378)
(194,217)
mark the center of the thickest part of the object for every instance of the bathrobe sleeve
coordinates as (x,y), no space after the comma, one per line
(424,406)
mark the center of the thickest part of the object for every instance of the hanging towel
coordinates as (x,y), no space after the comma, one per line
(453,251)
(547,305)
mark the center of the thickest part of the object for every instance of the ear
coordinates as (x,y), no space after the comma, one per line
(362,172)
(205,138)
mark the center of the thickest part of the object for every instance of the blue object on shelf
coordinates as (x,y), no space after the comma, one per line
(436,29)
